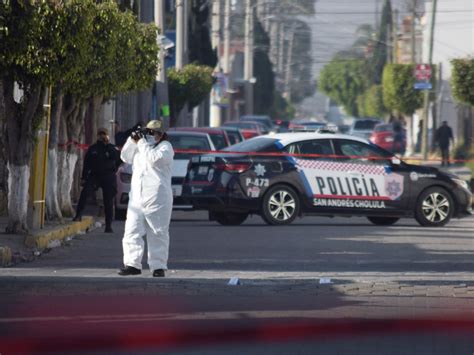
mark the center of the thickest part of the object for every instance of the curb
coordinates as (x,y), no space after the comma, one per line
(41,239)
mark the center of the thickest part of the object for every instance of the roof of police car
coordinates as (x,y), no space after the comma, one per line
(292,137)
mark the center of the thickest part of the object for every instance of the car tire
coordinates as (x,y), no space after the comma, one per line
(383,221)
(434,207)
(229,219)
(281,205)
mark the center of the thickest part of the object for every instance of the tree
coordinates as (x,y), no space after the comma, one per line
(189,85)
(200,48)
(29,54)
(379,58)
(374,102)
(263,70)
(343,81)
(399,94)
(462,80)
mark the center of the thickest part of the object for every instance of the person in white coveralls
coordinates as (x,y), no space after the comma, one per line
(150,199)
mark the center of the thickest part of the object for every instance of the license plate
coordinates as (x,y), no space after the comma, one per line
(177,190)
(203,170)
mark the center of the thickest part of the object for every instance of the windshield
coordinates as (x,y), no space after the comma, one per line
(255,145)
(383,128)
(188,142)
(218,141)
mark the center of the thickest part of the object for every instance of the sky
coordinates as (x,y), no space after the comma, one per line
(333,31)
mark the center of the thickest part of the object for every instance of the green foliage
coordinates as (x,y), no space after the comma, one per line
(462,81)
(343,81)
(398,92)
(374,102)
(281,108)
(189,85)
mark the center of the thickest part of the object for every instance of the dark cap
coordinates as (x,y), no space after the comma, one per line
(103,130)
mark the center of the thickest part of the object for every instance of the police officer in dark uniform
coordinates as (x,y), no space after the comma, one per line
(100,165)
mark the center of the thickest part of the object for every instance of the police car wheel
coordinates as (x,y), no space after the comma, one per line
(383,221)
(230,219)
(434,207)
(280,206)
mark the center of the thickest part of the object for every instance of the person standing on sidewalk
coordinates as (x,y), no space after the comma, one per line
(150,200)
(444,136)
(100,165)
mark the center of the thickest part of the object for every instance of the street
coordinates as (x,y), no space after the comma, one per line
(315,269)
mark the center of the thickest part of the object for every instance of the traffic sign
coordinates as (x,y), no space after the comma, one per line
(423,72)
(424,85)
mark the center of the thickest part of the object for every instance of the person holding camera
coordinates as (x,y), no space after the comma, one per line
(100,165)
(150,199)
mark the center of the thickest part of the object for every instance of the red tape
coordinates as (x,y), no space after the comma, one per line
(331,156)
(77,144)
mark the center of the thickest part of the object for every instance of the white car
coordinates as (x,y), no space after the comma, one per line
(363,127)
(179,140)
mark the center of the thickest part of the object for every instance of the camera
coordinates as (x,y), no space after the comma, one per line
(139,133)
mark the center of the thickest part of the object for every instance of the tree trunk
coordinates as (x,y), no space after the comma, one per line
(21,118)
(70,136)
(53,211)
(18,184)
(3,158)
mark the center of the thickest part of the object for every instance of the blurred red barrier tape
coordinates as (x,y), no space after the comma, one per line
(143,337)
(77,144)
(333,156)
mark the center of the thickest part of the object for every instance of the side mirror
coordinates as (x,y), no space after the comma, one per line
(396,161)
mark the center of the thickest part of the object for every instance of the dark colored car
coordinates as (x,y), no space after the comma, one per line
(337,175)
(235,134)
(283,125)
(266,121)
(385,136)
(219,137)
(363,127)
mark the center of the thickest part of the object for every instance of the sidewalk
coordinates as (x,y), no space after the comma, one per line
(457,169)
(15,248)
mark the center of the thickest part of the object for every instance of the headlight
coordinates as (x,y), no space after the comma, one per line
(462,183)
(126,178)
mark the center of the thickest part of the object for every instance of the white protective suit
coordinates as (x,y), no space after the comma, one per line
(150,202)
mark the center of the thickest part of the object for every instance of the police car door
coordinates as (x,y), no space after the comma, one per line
(361,179)
(310,157)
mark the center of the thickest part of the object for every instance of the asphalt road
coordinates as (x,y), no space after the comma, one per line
(315,270)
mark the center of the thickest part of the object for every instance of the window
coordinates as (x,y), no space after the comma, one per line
(317,146)
(255,145)
(188,142)
(362,152)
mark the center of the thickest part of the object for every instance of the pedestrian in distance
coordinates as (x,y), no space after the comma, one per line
(100,165)
(399,145)
(444,137)
(150,199)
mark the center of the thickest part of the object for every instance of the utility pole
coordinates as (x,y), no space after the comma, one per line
(226,64)
(248,57)
(161,85)
(413,29)
(426,101)
(215,119)
(289,63)
(395,37)
(180,33)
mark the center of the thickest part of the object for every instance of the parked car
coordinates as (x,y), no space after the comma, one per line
(384,136)
(219,137)
(179,140)
(247,125)
(235,135)
(363,127)
(266,121)
(305,125)
(340,175)
(283,125)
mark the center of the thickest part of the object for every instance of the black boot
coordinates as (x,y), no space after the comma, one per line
(129,270)
(108,229)
(159,273)
(77,218)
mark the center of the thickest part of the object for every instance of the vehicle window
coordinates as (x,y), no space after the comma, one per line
(365,152)
(383,128)
(255,145)
(219,141)
(188,142)
(365,125)
(316,146)
(233,137)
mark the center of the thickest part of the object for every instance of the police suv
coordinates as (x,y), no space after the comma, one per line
(286,175)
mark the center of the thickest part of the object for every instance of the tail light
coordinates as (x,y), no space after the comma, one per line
(233,167)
